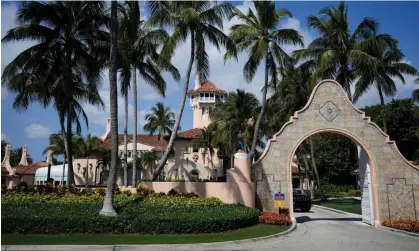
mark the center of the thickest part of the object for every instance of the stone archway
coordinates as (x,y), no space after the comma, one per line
(395,180)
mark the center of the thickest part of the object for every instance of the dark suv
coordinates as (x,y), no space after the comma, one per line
(301,201)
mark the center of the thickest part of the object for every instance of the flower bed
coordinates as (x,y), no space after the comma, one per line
(407,225)
(275,218)
(67,213)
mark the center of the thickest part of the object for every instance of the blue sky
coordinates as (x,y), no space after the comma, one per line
(33,126)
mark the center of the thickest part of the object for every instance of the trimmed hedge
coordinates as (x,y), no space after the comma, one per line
(52,214)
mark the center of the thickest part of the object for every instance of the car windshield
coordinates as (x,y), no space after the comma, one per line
(297,191)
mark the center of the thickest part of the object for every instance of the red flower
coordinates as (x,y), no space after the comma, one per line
(274,218)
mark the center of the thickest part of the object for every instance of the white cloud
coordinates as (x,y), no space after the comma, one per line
(35,130)
(4,136)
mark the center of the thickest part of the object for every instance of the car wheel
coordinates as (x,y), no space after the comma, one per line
(305,209)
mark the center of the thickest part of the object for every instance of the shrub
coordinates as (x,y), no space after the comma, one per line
(275,218)
(143,190)
(152,215)
(354,193)
(403,224)
(99,191)
(190,195)
(173,192)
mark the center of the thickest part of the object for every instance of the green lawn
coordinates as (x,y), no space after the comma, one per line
(347,205)
(244,233)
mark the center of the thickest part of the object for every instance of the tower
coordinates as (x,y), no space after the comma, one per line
(203,99)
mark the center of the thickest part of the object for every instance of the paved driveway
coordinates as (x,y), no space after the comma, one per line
(323,230)
(318,230)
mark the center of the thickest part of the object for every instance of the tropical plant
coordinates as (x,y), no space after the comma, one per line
(207,143)
(107,208)
(259,36)
(138,46)
(415,93)
(57,146)
(390,66)
(338,53)
(88,147)
(198,20)
(232,117)
(61,66)
(148,161)
(161,119)
(290,95)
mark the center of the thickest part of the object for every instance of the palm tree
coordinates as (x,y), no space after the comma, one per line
(57,146)
(198,20)
(62,63)
(138,48)
(290,95)
(107,208)
(415,93)
(258,35)
(161,119)
(87,147)
(148,160)
(337,53)
(207,142)
(389,67)
(232,117)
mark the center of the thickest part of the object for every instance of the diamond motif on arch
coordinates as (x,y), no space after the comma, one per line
(329,111)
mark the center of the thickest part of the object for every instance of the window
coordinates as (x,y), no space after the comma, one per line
(57,183)
(206,95)
(195,149)
(211,95)
(222,96)
(129,154)
(201,95)
(186,149)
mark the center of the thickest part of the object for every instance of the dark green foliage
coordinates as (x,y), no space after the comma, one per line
(402,124)
(51,214)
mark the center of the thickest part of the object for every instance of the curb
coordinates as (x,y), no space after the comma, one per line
(196,246)
(395,230)
(254,240)
(336,210)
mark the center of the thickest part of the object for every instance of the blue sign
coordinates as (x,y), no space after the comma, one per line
(279,196)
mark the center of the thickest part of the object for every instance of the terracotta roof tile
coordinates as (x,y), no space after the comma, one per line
(194,133)
(207,86)
(146,139)
(30,169)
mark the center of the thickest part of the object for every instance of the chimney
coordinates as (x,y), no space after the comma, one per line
(24,159)
(108,129)
(49,157)
(6,159)
(197,80)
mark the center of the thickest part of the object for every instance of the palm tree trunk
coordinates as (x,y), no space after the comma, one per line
(262,110)
(313,162)
(62,179)
(107,208)
(134,136)
(382,109)
(70,173)
(180,111)
(126,141)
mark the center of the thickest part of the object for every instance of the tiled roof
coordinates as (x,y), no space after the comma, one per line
(146,139)
(207,86)
(30,169)
(194,133)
